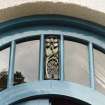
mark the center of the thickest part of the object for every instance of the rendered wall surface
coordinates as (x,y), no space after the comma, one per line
(92,10)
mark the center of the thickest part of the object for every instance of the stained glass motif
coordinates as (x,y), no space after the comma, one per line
(51,57)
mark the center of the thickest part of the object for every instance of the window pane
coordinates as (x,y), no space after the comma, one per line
(99,60)
(4,62)
(26,62)
(76,62)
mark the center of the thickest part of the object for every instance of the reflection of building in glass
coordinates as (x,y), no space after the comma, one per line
(18,79)
(3,80)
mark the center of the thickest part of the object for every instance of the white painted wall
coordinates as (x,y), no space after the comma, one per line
(92,10)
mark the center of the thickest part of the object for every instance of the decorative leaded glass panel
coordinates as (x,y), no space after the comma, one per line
(51,57)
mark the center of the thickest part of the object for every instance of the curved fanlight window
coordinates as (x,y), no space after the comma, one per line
(52,54)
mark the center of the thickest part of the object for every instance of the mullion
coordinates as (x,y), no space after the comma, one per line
(11,64)
(61,57)
(91,65)
(41,65)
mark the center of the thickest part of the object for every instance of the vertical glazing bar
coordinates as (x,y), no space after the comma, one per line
(11,64)
(62,57)
(41,65)
(91,66)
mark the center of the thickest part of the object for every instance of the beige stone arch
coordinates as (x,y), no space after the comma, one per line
(93,10)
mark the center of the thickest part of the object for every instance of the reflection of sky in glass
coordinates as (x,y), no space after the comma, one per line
(26,62)
(99,60)
(76,62)
(4,59)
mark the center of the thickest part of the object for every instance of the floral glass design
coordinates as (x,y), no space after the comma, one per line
(51,57)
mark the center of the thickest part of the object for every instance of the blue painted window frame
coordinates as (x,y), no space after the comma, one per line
(7,29)
(62,23)
(93,35)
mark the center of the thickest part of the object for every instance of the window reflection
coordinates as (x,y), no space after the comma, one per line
(99,60)
(4,62)
(76,62)
(26,62)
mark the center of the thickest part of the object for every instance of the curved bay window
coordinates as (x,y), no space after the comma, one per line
(59,58)
(52,53)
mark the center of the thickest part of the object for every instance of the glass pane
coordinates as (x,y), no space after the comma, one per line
(99,60)
(76,62)
(4,62)
(26,62)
